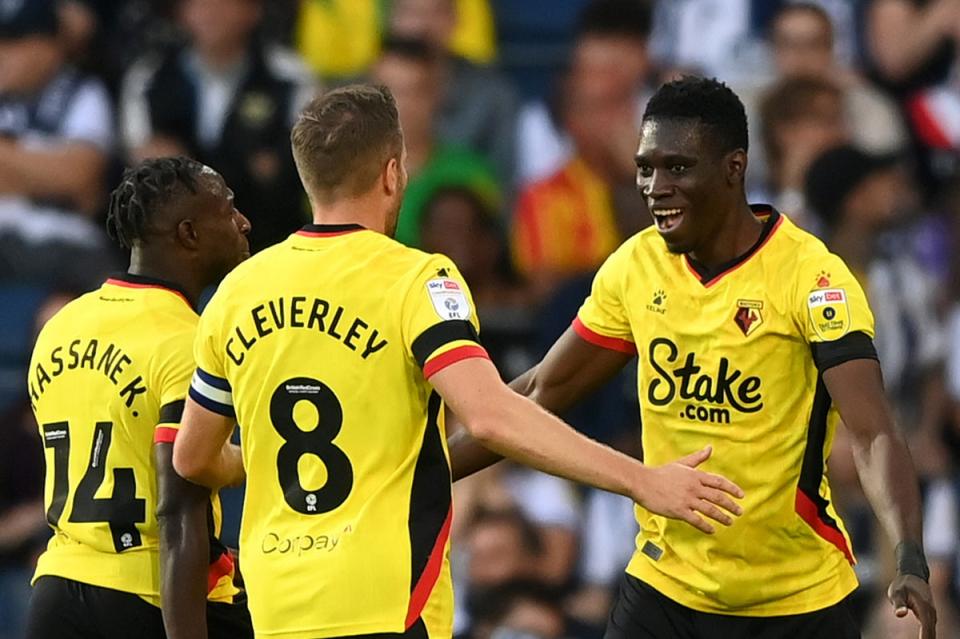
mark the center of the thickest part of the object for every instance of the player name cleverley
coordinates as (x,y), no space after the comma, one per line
(107,358)
(301,312)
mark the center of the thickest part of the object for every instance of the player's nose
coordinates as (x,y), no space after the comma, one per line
(243,223)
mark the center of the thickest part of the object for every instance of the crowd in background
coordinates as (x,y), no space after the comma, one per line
(521,121)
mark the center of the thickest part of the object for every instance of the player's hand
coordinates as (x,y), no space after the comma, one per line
(909,592)
(680,491)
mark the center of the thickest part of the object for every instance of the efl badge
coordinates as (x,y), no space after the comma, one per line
(448,298)
(748,316)
(829,313)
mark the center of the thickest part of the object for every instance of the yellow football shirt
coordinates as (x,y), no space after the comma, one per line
(108,377)
(322,346)
(730,359)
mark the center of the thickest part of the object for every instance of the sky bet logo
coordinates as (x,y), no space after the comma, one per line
(708,394)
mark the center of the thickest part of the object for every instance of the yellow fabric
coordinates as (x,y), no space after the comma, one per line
(334,556)
(338,37)
(565,223)
(474,37)
(749,394)
(114,356)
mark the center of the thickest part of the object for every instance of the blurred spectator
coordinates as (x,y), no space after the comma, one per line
(866,202)
(799,119)
(459,223)
(568,223)
(511,525)
(724,38)
(229,100)
(802,37)
(55,137)
(611,39)
(802,44)
(609,530)
(471,35)
(912,43)
(478,107)
(412,70)
(520,611)
(341,38)
(23,528)
(914,52)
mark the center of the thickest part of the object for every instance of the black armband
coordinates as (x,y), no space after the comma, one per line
(910,560)
(856,345)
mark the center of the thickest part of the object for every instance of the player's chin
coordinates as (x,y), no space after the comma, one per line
(677,245)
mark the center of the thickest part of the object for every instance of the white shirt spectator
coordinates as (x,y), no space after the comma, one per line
(69,110)
(609,534)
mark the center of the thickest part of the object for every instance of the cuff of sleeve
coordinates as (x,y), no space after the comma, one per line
(164,435)
(454,355)
(610,343)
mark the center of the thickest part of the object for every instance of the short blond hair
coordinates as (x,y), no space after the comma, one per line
(343,139)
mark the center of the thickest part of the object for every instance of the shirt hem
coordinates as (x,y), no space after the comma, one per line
(685,597)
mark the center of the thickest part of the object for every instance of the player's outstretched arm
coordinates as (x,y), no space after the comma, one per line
(515,427)
(572,369)
(888,479)
(184,549)
(202,452)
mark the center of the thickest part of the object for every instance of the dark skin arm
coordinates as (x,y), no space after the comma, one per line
(886,473)
(570,371)
(184,549)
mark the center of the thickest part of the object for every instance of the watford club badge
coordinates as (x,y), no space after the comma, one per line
(749,316)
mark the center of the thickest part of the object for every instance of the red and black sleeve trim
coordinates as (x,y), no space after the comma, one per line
(610,343)
(430,514)
(809,504)
(856,345)
(172,412)
(440,335)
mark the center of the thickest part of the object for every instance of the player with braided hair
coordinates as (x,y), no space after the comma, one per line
(107,383)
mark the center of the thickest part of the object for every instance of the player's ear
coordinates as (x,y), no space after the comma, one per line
(187,234)
(736,166)
(392,176)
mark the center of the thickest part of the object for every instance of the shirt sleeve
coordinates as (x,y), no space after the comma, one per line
(174,368)
(209,386)
(90,117)
(602,319)
(833,313)
(440,325)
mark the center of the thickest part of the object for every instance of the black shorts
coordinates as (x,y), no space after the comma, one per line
(66,609)
(641,612)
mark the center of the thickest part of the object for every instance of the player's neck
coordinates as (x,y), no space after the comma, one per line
(366,210)
(740,232)
(172,272)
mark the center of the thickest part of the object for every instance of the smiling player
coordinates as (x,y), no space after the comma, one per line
(754,338)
